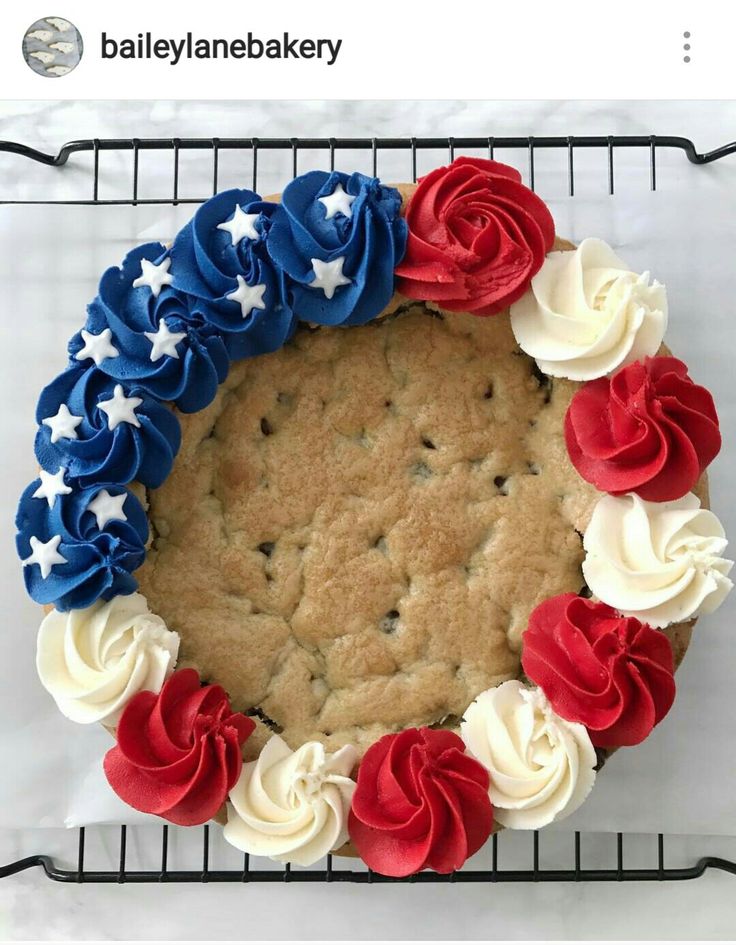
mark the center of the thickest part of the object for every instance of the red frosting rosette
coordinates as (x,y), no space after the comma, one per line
(178,752)
(477,235)
(648,429)
(420,801)
(613,674)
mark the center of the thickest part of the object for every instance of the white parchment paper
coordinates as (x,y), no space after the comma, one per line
(681,779)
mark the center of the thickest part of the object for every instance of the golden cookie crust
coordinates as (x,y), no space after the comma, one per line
(356,530)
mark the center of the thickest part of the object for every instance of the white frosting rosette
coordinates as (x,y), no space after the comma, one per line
(658,561)
(292,806)
(586,314)
(94,660)
(541,766)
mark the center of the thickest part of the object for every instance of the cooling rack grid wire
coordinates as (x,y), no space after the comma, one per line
(516,844)
(522,847)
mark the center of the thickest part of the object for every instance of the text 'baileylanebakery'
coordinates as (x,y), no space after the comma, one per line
(147,46)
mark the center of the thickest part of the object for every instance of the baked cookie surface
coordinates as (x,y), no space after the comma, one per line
(356,530)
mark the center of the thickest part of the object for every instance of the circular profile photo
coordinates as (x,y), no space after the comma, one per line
(52,47)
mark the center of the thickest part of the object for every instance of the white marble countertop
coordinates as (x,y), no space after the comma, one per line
(31,907)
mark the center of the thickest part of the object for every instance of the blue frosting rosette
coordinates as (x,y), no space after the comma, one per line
(82,547)
(163,330)
(102,446)
(163,339)
(338,237)
(220,259)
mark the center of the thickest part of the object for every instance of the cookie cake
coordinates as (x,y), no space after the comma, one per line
(370,519)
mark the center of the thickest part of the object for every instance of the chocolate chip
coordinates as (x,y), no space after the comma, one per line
(585,591)
(257,712)
(389,623)
(380,544)
(266,548)
(266,428)
(426,442)
(489,392)
(500,483)
(543,380)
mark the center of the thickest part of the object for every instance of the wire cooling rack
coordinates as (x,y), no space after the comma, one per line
(214,147)
(512,846)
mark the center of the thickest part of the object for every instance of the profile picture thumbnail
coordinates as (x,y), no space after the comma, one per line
(52,47)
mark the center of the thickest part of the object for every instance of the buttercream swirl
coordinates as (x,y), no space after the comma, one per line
(178,752)
(648,429)
(338,237)
(658,561)
(93,660)
(477,235)
(292,805)
(141,448)
(186,368)
(541,766)
(612,674)
(227,239)
(420,802)
(97,560)
(587,314)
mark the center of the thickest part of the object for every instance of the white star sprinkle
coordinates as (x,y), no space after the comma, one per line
(337,202)
(63,424)
(97,347)
(329,275)
(45,554)
(241,225)
(51,486)
(120,409)
(164,341)
(154,276)
(108,508)
(249,296)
